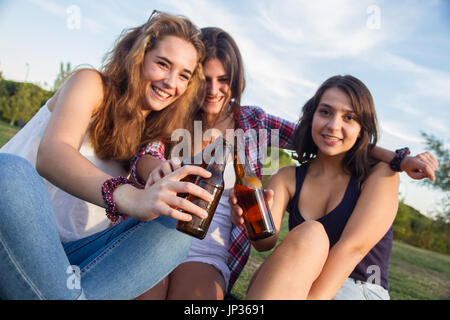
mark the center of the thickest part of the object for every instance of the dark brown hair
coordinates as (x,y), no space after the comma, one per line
(220,45)
(118,128)
(356,160)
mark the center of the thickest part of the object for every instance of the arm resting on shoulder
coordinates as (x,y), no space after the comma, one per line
(417,167)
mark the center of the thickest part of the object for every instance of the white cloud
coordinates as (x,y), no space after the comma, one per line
(321,28)
(438,124)
(427,82)
(402,103)
(399,130)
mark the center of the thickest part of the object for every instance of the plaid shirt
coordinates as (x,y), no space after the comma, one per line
(249,117)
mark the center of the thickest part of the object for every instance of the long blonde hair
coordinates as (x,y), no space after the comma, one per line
(118,128)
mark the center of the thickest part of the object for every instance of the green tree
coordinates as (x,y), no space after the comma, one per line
(284,159)
(63,73)
(20,101)
(442,183)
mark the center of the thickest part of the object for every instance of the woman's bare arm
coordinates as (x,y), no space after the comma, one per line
(374,213)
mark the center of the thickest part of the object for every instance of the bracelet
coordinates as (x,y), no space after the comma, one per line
(107,192)
(400,154)
(156,150)
(133,171)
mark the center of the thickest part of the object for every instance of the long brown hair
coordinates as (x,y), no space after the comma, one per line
(356,160)
(220,45)
(118,128)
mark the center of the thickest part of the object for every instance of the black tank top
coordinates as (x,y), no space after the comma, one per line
(373,267)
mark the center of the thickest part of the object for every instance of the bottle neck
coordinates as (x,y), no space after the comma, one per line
(245,176)
(220,157)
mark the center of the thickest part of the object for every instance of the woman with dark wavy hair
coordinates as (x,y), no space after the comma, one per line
(54,237)
(357,158)
(341,204)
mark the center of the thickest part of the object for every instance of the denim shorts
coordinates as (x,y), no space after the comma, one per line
(359,290)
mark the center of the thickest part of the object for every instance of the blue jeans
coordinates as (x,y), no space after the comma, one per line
(120,262)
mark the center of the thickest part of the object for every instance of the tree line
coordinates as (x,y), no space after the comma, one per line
(19,101)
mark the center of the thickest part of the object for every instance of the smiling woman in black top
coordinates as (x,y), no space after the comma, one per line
(341,202)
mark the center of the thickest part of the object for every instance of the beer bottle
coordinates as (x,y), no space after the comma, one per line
(249,192)
(198,227)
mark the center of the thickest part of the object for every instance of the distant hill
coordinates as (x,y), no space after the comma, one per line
(412,227)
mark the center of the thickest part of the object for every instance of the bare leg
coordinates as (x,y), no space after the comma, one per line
(196,280)
(158,292)
(291,269)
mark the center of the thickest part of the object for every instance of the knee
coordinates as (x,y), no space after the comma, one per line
(17,175)
(14,168)
(310,234)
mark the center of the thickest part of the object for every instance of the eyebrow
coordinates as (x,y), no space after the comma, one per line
(171,63)
(331,107)
(224,76)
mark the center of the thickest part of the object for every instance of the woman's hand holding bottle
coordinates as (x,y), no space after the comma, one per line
(159,198)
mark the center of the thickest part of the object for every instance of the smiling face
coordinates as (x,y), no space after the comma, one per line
(218,91)
(167,70)
(335,128)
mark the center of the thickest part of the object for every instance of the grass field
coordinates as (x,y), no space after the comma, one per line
(414,273)
(6,132)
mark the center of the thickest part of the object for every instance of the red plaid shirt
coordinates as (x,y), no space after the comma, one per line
(249,117)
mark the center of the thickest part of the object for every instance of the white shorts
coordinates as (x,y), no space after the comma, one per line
(213,249)
(359,290)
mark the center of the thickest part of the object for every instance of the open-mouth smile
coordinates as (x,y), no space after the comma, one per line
(160,94)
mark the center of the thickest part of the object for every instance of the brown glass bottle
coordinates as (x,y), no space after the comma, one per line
(198,227)
(249,192)
(192,161)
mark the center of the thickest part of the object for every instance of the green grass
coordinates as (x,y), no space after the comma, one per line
(6,132)
(414,273)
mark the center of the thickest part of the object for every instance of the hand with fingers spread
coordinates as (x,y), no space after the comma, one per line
(420,166)
(160,198)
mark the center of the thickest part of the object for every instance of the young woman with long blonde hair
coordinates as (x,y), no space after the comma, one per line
(54,237)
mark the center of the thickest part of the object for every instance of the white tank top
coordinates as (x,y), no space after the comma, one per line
(75,218)
(213,249)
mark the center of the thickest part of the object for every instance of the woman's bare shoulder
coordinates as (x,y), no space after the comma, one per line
(88,82)
(284,177)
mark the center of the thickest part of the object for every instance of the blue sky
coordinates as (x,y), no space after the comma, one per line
(399,49)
